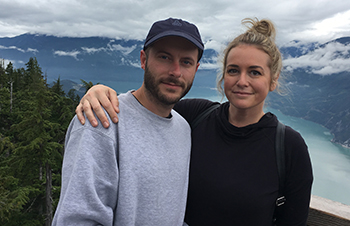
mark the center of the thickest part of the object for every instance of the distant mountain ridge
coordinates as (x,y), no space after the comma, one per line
(73,58)
(318,74)
(91,58)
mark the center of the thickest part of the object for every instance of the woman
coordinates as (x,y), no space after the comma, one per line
(233,173)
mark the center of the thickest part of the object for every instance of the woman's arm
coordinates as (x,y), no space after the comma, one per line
(96,97)
(299,178)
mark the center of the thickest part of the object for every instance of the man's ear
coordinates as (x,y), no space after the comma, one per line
(143,59)
(197,66)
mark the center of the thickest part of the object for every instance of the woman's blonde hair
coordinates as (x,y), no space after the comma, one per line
(261,34)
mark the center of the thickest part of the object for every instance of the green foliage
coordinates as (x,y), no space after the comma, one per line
(87,85)
(33,122)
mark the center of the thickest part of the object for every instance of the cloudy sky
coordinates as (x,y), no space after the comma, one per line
(218,20)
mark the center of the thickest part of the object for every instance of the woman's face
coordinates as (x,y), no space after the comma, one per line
(247,78)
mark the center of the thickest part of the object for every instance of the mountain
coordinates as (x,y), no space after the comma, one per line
(75,58)
(321,99)
(318,81)
(316,75)
(92,59)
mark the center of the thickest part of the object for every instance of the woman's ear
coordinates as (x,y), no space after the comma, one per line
(273,84)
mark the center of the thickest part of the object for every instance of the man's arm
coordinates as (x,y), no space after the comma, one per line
(89,177)
(91,102)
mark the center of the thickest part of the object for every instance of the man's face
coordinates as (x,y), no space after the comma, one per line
(170,67)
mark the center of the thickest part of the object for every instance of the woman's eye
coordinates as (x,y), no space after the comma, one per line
(255,73)
(232,71)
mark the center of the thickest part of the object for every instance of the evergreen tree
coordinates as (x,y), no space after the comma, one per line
(62,108)
(74,97)
(13,196)
(3,77)
(33,122)
(18,79)
(57,87)
(87,85)
(5,110)
(6,94)
(36,151)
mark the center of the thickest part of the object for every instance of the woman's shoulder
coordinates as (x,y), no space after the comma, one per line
(290,133)
(293,135)
(193,103)
(296,147)
(192,107)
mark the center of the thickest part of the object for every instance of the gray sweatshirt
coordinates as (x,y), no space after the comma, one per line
(133,173)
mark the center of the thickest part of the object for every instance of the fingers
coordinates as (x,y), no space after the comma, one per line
(84,106)
(89,108)
(91,102)
(79,111)
(108,106)
(114,108)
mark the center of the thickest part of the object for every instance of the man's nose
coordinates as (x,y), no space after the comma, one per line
(175,70)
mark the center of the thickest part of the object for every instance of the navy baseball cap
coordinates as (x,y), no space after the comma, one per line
(175,27)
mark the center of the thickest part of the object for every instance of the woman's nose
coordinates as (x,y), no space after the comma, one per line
(242,79)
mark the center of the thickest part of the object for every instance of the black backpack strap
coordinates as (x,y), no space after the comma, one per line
(281,162)
(204,114)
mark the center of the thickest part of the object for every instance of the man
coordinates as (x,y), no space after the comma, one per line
(136,171)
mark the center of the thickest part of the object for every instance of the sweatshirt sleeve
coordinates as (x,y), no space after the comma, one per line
(89,176)
(298,183)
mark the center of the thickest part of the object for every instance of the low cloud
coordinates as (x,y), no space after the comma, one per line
(92,50)
(208,65)
(330,59)
(122,49)
(135,64)
(19,49)
(73,54)
(32,50)
(110,47)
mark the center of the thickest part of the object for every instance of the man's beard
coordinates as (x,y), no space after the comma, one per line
(152,86)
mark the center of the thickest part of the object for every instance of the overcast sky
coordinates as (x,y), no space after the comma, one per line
(217,20)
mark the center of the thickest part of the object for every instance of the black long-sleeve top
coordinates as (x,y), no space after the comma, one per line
(233,171)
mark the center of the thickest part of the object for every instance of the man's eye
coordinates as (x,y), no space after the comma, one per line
(187,62)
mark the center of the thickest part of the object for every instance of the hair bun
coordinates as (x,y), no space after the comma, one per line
(264,27)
